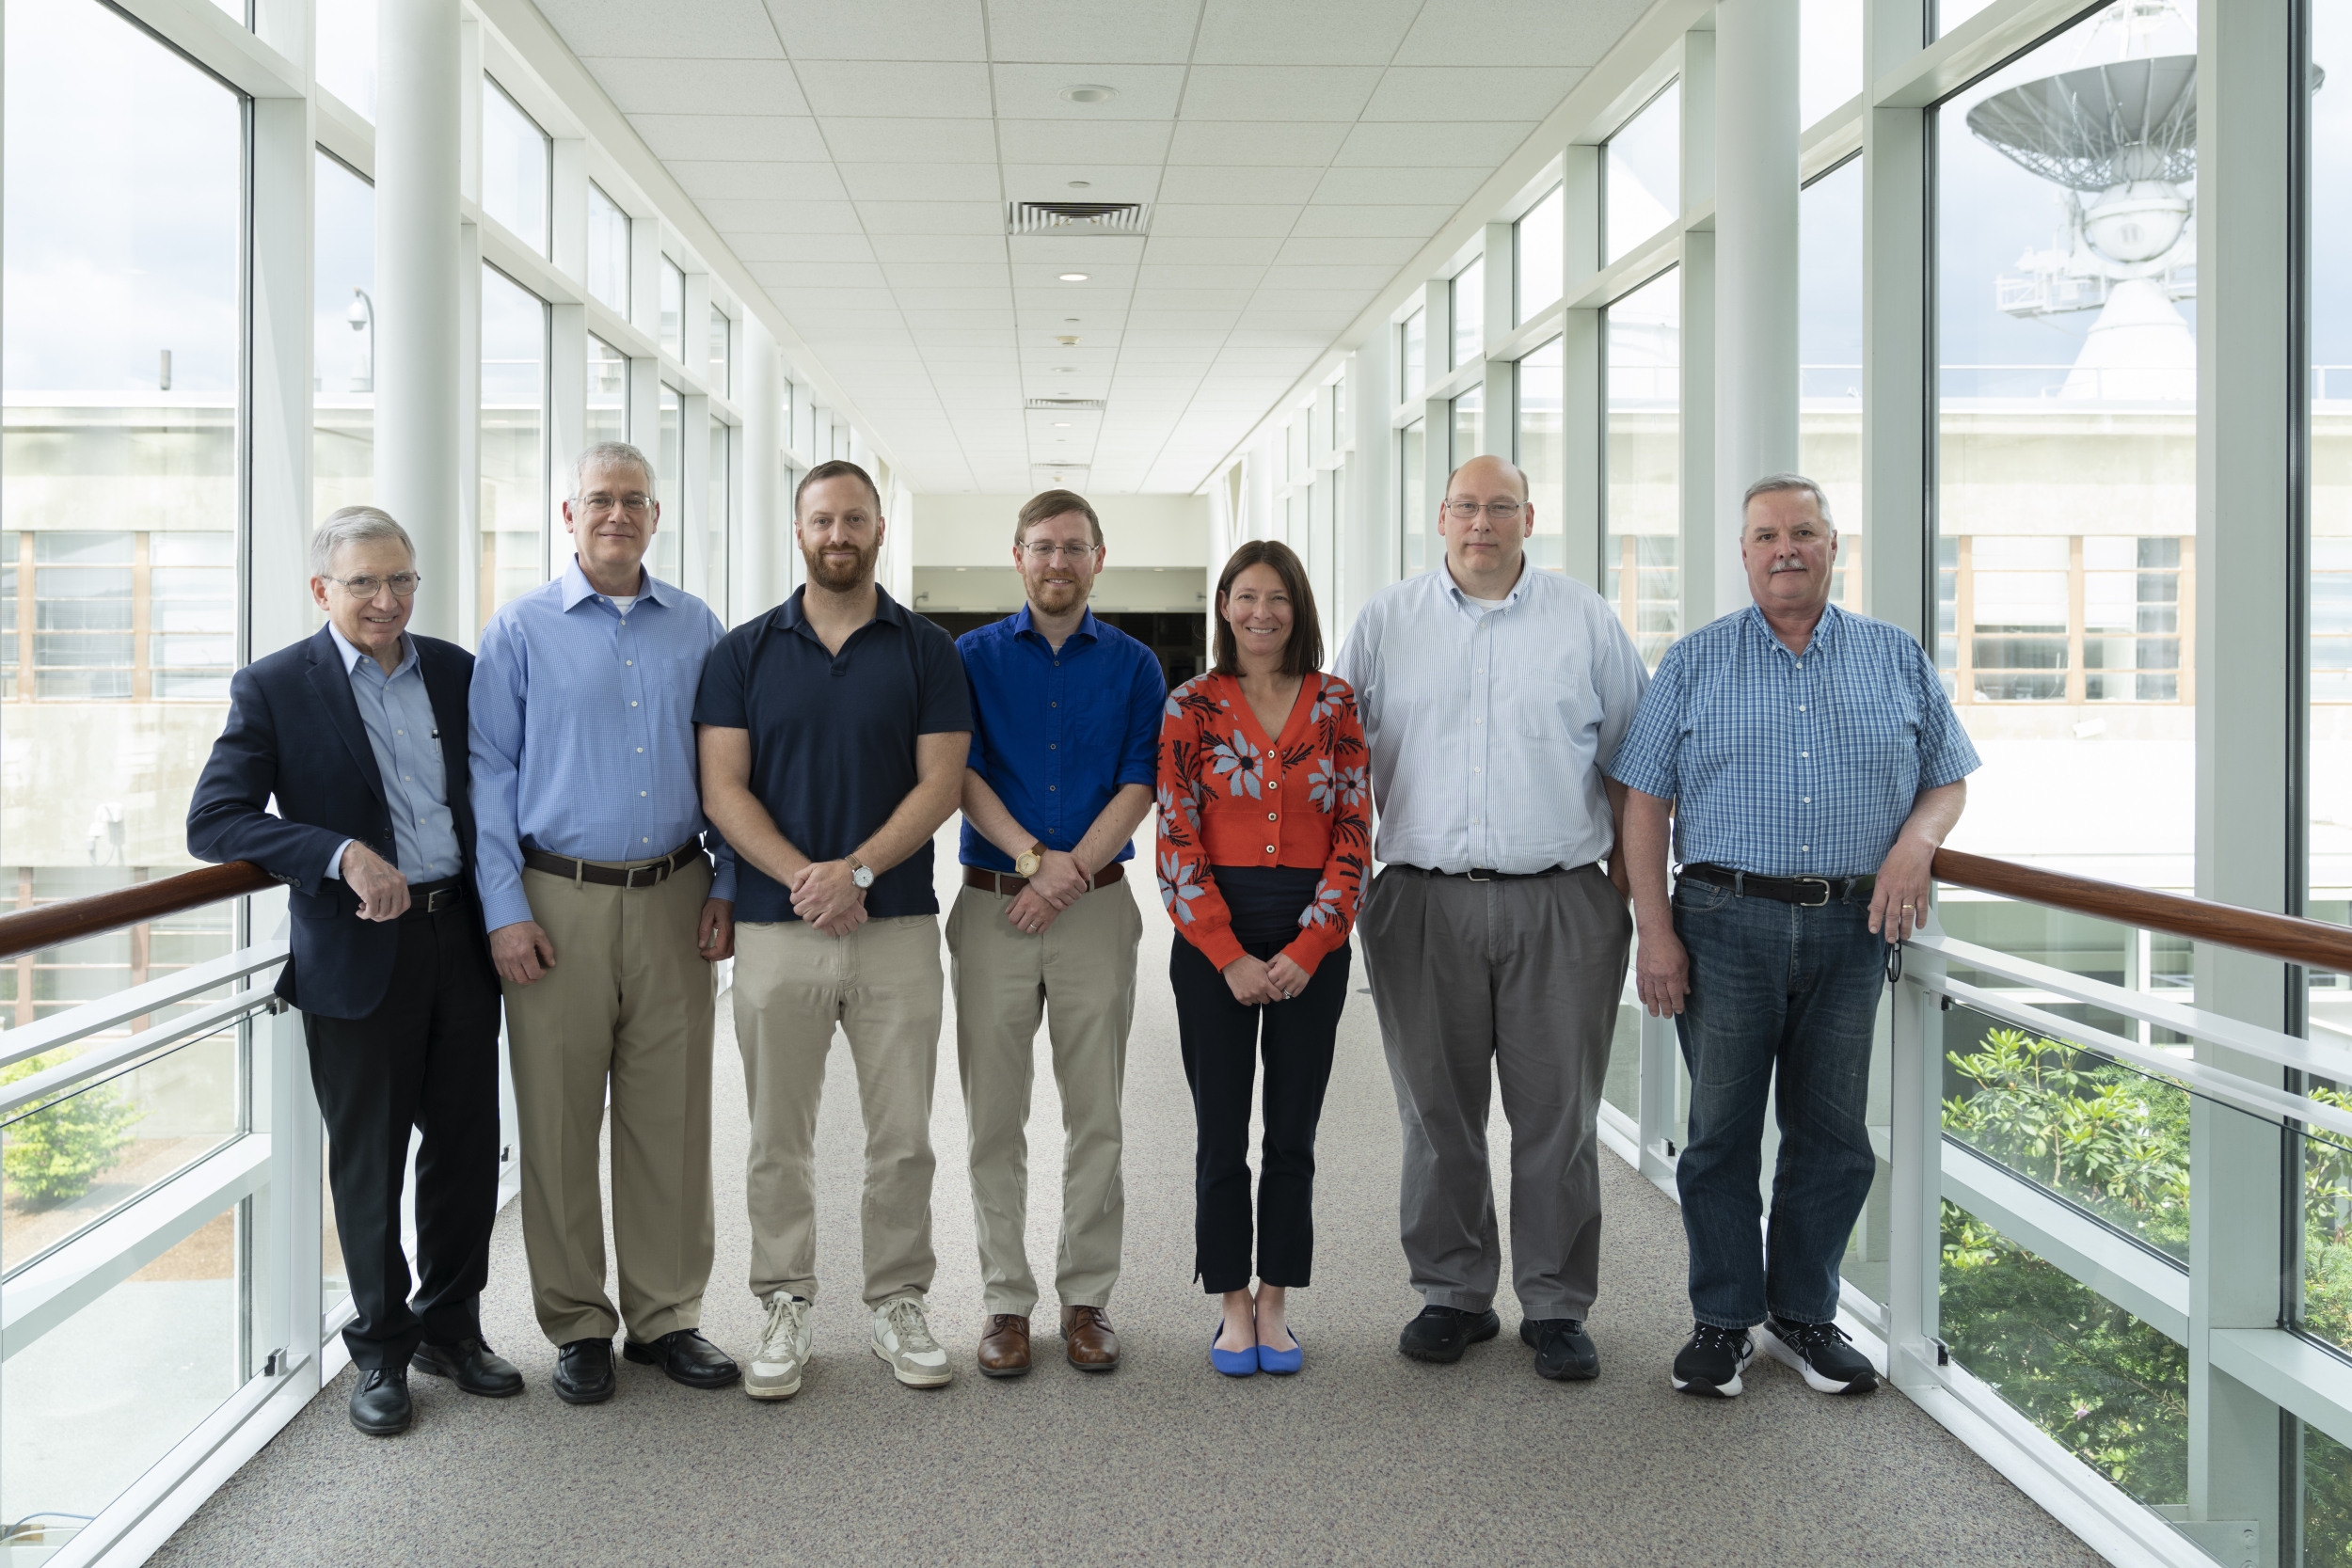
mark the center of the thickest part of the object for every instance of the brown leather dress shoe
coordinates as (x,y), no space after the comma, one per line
(1004,1346)
(1086,1333)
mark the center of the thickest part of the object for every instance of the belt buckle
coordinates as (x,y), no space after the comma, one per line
(1472,875)
(1822,883)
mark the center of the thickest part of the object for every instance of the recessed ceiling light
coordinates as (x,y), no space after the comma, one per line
(1066,369)
(1071,320)
(1081,184)
(1074,277)
(1061,424)
(1089,92)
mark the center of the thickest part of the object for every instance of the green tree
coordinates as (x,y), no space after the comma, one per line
(54,1154)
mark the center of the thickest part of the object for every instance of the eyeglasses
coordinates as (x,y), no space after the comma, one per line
(1500,511)
(636,506)
(1059,552)
(402,583)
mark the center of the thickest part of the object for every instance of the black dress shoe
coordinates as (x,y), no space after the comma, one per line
(688,1357)
(472,1365)
(1564,1352)
(379,1401)
(584,1372)
(1443,1333)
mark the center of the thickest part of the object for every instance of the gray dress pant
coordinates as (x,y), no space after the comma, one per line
(1520,978)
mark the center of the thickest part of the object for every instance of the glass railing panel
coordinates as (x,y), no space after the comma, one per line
(2149,962)
(2323,1480)
(334,1278)
(1622,1086)
(1870,1248)
(2109,1389)
(2324,1160)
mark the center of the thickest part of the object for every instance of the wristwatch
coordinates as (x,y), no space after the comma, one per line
(861,874)
(1026,863)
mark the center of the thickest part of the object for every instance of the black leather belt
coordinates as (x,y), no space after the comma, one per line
(1483,874)
(644,873)
(433,898)
(1807,892)
(1007,884)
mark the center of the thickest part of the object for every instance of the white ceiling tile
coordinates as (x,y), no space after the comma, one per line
(1540,32)
(1316,250)
(1306,32)
(722,181)
(817,275)
(1161,275)
(847,302)
(924,182)
(1408,144)
(722,29)
(1045,279)
(1237,92)
(1072,141)
(1077,250)
(946,339)
(800,247)
(1191,300)
(1228,182)
(981,250)
(1344,186)
(1197,321)
(824,316)
(930,89)
(1258,141)
(771,139)
(1340,219)
(923,321)
(1327,278)
(817,30)
(976,297)
(1176,251)
(781,217)
(1033,91)
(1101,182)
(946,275)
(1086,31)
(1173,220)
(857,140)
(639,86)
(1471,92)
(932,218)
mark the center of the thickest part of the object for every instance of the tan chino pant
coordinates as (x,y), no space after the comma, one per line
(1078,976)
(881,984)
(629,1003)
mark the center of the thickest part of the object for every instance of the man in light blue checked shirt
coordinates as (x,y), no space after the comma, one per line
(1810,764)
(605,917)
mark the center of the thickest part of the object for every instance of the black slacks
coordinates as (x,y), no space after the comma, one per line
(1222,1041)
(427,1058)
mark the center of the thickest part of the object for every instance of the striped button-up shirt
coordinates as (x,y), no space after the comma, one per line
(583,733)
(1487,727)
(1793,764)
(397,713)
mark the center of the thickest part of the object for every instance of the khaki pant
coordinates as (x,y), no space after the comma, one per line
(1080,977)
(630,1001)
(881,984)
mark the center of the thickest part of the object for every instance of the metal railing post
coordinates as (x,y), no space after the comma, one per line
(1916,1138)
(1660,1091)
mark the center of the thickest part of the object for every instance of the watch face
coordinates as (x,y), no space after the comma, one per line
(862,875)
(1027,865)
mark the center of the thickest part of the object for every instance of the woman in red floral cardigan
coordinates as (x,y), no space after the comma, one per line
(1264,833)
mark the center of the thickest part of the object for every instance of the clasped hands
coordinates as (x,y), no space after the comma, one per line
(1262,982)
(824,896)
(1060,881)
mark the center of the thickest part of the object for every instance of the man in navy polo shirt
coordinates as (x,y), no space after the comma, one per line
(833,733)
(1065,747)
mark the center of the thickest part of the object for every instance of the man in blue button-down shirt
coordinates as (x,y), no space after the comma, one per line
(605,916)
(1811,763)
(1065,747)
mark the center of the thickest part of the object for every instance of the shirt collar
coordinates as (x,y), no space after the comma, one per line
(1824,629)
(577,587)
(1462,599)
(353,653)
(1088,627)
(885,608)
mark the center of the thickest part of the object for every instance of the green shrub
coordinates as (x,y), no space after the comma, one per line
(54,1154)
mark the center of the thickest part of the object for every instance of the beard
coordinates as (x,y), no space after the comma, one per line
(1055,598)
(839,578)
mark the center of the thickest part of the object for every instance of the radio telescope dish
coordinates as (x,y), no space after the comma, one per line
(2102,126)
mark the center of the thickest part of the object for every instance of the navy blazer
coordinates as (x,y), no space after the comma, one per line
(294,733)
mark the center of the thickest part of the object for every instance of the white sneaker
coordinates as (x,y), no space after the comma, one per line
(774,1372)
(902,1337)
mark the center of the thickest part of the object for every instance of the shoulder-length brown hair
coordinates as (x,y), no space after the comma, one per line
(1303,654)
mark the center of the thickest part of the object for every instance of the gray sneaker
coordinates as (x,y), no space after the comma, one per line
(902,1337)
(774,1372)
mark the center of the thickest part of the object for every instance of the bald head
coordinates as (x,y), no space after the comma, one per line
(1484,470)
(1485,521)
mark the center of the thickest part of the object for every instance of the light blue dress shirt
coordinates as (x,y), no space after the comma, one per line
(1487,727)
(583,733)
(397,713)
(1793,764)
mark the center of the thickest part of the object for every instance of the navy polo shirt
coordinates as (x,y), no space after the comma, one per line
(833,737)
(1057,735)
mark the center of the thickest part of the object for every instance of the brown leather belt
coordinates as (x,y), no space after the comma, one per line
(435,897)
(646,874)
(1008,884)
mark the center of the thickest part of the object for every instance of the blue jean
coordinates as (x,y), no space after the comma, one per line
(1778,992)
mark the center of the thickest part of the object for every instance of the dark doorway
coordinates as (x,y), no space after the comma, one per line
(1179,638)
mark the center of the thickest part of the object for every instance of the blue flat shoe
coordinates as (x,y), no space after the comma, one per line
(1282,1362)
(1232,1363)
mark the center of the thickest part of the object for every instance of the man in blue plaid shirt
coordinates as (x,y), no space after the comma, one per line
(1809,764)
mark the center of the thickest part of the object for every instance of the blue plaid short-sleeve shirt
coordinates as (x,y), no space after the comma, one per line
(1789,765)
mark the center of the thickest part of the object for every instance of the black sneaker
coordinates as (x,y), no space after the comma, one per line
(1822,1352)
(1564,1352)
(1711,1361)
(1443,1333)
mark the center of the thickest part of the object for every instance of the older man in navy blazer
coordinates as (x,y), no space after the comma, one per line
(358,734)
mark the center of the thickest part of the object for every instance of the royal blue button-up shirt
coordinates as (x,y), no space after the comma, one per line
(1793,764)
(583,733)
(1057,733)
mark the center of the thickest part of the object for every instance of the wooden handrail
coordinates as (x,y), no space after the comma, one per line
(47,926)
(2284,937)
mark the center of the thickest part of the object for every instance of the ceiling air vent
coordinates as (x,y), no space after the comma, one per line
(1066,405)
(1075,217)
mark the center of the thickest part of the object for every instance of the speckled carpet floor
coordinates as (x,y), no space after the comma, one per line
(1365,1458)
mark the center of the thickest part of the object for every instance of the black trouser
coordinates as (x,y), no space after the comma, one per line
(427,1059)
(1222,1040)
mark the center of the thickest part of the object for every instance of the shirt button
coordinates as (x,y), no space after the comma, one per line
(1800,707)
(1804,849)
(1808,800)
(1053,704)
(1804,754)
(1478,771)
(628,661)
(1053,786)
(1478,721)
(632,704)
(1269,817)
(640,750)
(1053,746)
(1269,848)
(644,840)
(641,795)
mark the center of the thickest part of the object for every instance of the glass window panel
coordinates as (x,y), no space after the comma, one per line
(16,577)
(608,392)
(720,359)
(1412,508)
(673,310)
(1543,451)
(1829,64)
(1470,428)
(2324,1475)
(514,441)
(1642,526)
(1413,357)
(1949,15)
(607,250)
(664,560)
(2066,471)
(346,52)
(1829,351)
(716,565)
(1642,175)
(342,338)
(515,172)
(1469,293)
(1540,237)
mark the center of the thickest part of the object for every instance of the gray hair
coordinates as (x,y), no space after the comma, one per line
(1774,483)
(609,454)
(354,525)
